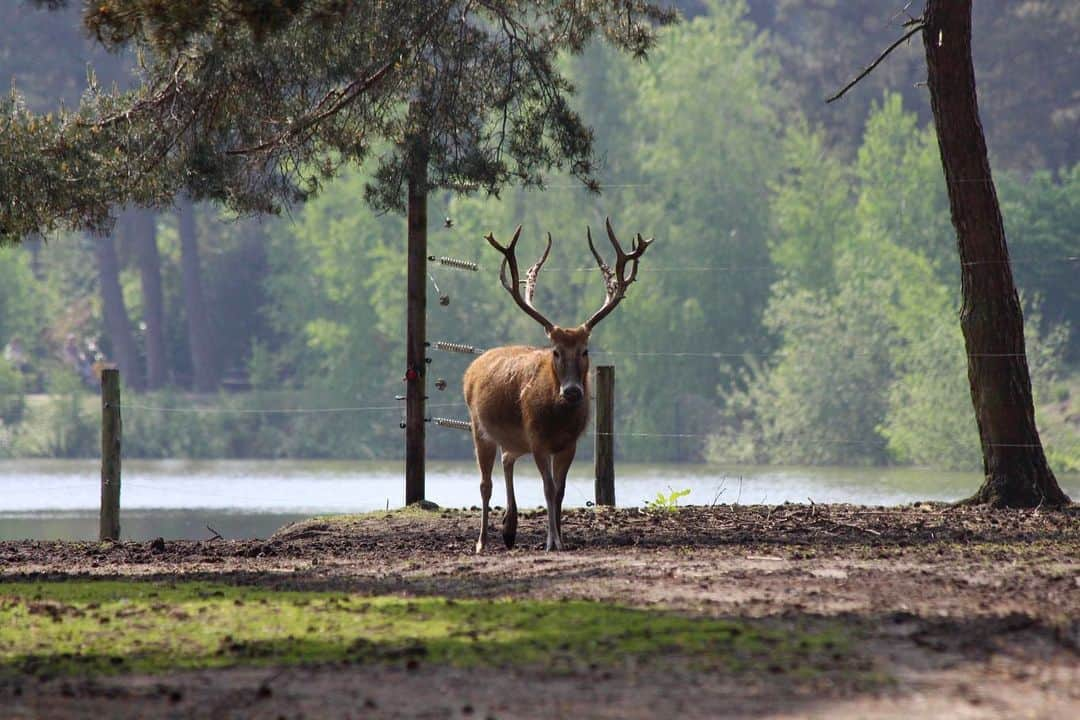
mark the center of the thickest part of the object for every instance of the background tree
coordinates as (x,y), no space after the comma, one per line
(1030,125)
(308,308)
(200,339)
(122,349)
(1014,464)
(141,230)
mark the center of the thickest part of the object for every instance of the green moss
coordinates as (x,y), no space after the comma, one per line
(339,521)
(109,626)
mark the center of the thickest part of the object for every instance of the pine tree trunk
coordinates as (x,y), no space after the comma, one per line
(117,323)
(143,227)
(1015,467)
(200,339)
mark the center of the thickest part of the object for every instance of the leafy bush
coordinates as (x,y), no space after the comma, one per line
(820,400)
(12,397)
(65,424)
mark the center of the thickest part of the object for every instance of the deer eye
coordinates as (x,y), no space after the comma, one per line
(585,353)
(556,353)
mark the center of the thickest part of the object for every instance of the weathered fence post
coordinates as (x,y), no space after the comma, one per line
(605,437)
(416,329)
(110,454)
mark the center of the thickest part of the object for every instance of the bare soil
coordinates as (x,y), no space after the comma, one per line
(964,613)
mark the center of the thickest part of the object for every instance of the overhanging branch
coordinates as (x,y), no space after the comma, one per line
(916,25)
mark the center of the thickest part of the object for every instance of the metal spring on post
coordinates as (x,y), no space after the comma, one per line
(455,263)
(458,348)
(451,423)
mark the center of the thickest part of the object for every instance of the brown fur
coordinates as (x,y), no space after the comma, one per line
(536,400)
(515,403)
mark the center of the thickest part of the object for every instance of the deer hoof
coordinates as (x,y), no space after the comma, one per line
(509,532)
(479,546)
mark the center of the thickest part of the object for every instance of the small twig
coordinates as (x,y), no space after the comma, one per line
(920,23)
(856,527)
(217,535)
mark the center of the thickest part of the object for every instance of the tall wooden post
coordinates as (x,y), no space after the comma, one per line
(605,435)
(416,341)
(111,427)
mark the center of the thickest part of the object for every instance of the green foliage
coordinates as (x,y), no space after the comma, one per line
(822,399)
(901,188)
(255,424)
(259,109)
(1042,215)
(666,503)
(930,420)
(12,395)
(871,366)
(811,210)
(338,281)
(62,424)
(703,124)
(821,277)
(20,315)
(1026,85)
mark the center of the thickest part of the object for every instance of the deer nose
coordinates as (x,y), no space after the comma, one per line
(572,394)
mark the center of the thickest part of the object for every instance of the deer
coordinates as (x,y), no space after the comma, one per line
(535,400)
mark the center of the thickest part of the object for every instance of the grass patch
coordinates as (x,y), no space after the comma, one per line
(112,626)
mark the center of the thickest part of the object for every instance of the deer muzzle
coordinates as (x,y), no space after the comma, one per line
(572,393)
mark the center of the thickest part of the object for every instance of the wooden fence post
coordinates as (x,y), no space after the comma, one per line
(110,454)
(605,438)
(416,329)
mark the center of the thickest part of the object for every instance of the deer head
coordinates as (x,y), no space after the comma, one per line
(570,346)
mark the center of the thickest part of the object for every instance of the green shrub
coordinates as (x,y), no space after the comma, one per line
(12,396)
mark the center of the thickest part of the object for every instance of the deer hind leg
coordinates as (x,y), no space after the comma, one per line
(485,458)
(510,519)
(543,463)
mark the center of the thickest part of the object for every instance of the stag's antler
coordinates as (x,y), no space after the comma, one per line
(616,280)
(513,283)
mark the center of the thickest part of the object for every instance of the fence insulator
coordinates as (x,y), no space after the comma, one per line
(455,263)
(458,348)
(451,423)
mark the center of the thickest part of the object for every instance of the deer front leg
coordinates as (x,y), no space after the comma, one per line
(510,519)
(561,466)
(485,458)
(543,463)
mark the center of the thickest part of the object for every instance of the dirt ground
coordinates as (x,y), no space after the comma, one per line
(962,612)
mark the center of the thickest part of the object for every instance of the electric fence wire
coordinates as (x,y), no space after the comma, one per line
(764,268)
(282,411)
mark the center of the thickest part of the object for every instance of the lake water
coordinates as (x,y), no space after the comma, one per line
(58,499)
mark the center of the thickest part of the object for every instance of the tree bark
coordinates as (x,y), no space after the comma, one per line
(200,339)
(143,227)
(117,323)
(1014,465)
(416,331)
